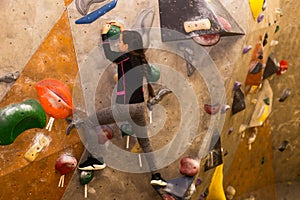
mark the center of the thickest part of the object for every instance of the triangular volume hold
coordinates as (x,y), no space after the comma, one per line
(181,19)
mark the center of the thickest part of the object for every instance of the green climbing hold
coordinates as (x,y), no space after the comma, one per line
(154,74)
(17,118)
(114,32)
(267,101)
(126,129)
(86,177)
(277,28)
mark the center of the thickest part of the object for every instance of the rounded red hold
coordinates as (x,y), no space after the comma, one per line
(207,40)
(65,164)
(189,166)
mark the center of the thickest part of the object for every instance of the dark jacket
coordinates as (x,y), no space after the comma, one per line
(130,74)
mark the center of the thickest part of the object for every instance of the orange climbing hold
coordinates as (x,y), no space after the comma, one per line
(55,97)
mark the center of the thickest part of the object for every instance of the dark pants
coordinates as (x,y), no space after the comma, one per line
(134,114)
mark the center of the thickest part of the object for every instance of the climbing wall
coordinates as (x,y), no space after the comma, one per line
(44,40)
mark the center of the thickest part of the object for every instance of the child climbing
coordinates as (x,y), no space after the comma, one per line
(130,105)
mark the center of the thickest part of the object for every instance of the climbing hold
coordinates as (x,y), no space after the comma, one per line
(91,17)
(17,118)
(114,32)
(251,197)
(216,190)
(254,101)
(65,164)
(198,181)
(55,97)
(267,101)
(264,5)
(10,77)
(283,67)
(277,28)
(225,108)
(239,103)
(263,114)
(253,81)
(189,166)
(237,85)
(230,192)
(84,5)
(39,143)
(285,94)
(260,18)
(153,74)
(283,146)
(273,43)
(247,48)
(262,110)
(251,139)
(212,109)
(126,129)
(207,40)
(265,41)
(105,133)
(272,66)
(230,130)
(84,178)
(243,128)
(256,68)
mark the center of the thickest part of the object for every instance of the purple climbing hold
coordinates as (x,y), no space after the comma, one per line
(198,182)
(237,85)
(247,48)
(225,108)
(230,130)
(260,18)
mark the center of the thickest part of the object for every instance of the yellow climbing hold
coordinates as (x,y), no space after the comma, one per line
(136,148)
(216,191)
(256,7)
(264,113)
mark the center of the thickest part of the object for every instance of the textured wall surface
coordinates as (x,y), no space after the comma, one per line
(41,40)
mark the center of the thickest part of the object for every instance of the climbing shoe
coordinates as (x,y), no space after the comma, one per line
(157,180)
(92,164)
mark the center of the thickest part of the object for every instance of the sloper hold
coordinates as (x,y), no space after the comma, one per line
(239,103)
(55,97)
(17,118)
